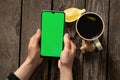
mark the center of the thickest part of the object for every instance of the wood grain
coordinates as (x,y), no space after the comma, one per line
(69,28)
(31,16)
(9,36)
(104,65)
(114,41)
(95,63)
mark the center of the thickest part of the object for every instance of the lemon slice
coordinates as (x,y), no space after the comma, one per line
(72,14)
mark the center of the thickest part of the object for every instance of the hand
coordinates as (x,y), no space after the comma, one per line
(66,60)
(34,49)
(67,55)
(33,59)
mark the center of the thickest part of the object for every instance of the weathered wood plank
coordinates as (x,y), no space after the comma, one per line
(95,63)
(69,28)
(114,41)
(9,36)
(30,22)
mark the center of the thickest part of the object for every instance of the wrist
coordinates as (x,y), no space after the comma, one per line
(65,69)
(30,63)
(66,74)
(25,70)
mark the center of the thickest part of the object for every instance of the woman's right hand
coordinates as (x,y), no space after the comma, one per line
(66,60)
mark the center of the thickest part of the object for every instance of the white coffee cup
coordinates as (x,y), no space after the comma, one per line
(90,26)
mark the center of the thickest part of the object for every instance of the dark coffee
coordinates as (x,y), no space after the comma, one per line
(90,25)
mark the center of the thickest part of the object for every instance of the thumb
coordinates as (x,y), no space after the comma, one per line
(66,41)
(37,35)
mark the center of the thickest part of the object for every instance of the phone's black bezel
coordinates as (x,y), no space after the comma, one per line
(53,11)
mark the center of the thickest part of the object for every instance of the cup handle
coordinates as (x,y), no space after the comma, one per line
(98,44)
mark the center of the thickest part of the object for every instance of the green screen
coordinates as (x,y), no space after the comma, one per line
(52,26)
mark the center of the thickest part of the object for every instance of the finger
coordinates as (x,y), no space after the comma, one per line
(37,35)
(73,48)
(34,40)
(66,42)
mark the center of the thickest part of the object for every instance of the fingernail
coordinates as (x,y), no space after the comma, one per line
(38,30)
(67,35)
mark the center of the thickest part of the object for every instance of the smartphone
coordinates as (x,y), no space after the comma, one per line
(52,27)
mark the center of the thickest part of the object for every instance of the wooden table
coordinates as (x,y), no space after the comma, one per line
(19,19)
